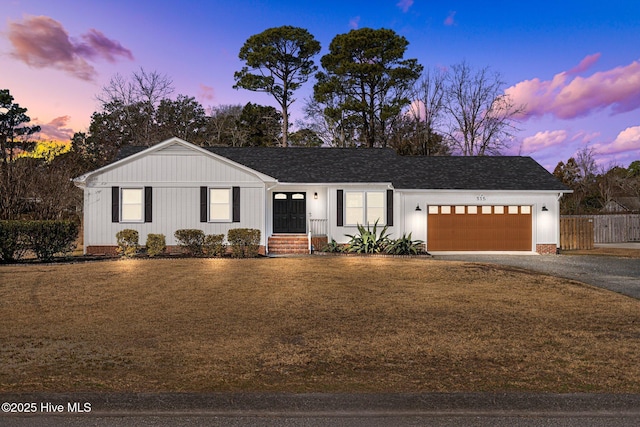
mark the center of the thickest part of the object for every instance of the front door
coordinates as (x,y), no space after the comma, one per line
(289,212)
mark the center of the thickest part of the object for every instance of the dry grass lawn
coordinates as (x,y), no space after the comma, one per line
(310,324)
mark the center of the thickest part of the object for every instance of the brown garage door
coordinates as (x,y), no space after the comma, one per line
(479,228)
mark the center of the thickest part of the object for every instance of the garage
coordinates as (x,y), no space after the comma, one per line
(479,228)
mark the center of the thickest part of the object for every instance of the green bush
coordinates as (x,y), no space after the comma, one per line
(127,242)
(404,246)
(156,244)
(214,245)
(244,242)
(13,242)
(47,238)
(368,241)
(333,247)
(190,240)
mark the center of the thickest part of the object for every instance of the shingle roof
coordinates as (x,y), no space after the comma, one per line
(327,165)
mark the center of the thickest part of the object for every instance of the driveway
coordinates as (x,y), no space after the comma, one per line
(620,275)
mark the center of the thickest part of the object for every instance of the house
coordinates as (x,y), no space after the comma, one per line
(622,204)
(313,195)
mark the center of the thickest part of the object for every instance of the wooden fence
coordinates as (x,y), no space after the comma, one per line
(576,233)
(616,228)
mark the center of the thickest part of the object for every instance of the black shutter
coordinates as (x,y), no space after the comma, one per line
(203,204)
(390,207)
(115,204)
(148,203)
(340,204)
(236,204)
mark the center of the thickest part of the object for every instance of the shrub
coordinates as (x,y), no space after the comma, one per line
(333,247)
(13,242)
(244,242)
(156,244)
(47,238)
(214,245)
(190,240)
(368,241)
(127,242)
(404,246)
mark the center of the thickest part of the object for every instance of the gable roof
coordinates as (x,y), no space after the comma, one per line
(360,165)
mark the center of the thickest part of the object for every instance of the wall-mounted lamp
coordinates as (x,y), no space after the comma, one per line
(544,208)
(418,208)
(315,195)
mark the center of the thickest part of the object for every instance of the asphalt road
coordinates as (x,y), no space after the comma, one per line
(414,409)
(614,273)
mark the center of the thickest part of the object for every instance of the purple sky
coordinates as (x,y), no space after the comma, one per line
(575,64)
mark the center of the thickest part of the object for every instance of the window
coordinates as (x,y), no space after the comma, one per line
(354,208)
(219,204)
(375,207)
(132,205)
(364,207)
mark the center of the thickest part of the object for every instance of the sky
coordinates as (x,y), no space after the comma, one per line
(573,65)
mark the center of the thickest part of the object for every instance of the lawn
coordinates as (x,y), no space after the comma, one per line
(311,324)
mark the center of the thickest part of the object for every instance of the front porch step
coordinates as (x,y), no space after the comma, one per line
(286,244)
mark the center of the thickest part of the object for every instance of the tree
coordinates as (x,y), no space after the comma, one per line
(481,116)
(14,136)
(184,118)
(278,61)
(305,138)
(261,125)
(365,74)
(331,124)
(223,128)
(135,101)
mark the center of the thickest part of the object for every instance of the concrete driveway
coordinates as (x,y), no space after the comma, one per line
(614,273)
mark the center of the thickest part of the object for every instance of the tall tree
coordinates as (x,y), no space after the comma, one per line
(278,61)
(14,136)
(365,71)
(481,115)
(223,127)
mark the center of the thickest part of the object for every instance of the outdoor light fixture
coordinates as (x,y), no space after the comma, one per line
(315,195)
(418,208)
(544,208)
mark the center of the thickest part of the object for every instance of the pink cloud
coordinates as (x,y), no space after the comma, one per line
(354,22)
(56,129)
(627,140)
(404,5)
(450,20)
(42,42)
(542,140)
(566,98)
(585,64)
(206,93)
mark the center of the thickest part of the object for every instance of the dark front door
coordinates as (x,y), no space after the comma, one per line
(289,212)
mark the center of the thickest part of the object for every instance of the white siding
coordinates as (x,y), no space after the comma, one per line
(176,174)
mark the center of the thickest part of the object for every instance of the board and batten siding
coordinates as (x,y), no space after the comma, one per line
(175,176)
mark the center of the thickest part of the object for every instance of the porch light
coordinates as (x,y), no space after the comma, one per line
(315,195)
(544,208)
(418,208)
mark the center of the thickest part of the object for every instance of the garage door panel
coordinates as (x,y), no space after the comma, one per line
(480,232)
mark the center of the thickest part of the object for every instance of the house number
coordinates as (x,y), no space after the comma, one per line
(481,198)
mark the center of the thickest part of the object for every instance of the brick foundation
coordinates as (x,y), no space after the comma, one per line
(319,242)
(546,249)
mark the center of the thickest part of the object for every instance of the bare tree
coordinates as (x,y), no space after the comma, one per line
(223,126)
(481,116)
(136,100)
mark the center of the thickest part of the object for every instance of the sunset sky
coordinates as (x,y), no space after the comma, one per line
(574,64)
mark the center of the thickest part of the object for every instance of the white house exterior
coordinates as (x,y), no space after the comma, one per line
(453,204)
